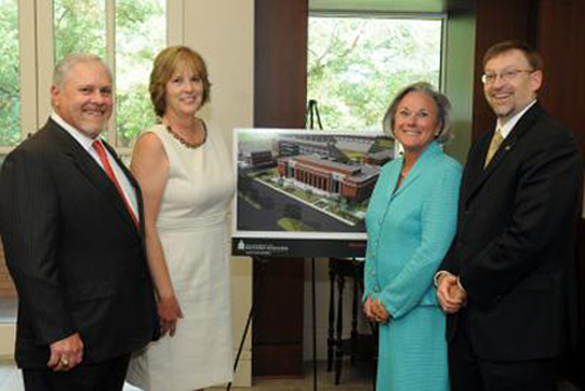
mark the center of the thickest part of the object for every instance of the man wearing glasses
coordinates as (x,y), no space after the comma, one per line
(507,281)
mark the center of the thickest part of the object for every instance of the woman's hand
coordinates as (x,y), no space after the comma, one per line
(368,309)
(169,312)
(379,312)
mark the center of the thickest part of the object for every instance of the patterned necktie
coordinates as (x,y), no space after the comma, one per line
(497,140)
(99,148)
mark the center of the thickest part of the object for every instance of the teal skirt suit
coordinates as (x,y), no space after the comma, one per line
(410,229)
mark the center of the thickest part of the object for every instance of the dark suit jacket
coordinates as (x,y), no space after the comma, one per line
(515,241)
(76,257)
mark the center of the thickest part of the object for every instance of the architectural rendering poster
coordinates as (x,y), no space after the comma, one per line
(303,193)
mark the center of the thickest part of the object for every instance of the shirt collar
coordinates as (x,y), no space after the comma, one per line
(82,139)
(506,128)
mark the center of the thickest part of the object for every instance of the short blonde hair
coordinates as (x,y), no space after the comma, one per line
(165,64)
(441,101)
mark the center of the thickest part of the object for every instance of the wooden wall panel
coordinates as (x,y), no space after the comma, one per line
(280,79)
(497,20)
(277,343)
(561,42)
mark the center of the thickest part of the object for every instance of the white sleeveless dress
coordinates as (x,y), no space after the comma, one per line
(193,228)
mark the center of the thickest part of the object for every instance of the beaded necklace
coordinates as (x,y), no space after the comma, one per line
(187,143)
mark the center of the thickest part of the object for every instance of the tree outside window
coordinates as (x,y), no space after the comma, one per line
(9,74)
(357,64)
(140,34)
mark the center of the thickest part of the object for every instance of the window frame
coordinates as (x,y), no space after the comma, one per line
(36,54)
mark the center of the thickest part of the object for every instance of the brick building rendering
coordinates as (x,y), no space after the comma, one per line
(354,183)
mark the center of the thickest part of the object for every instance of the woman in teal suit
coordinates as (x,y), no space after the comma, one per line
(410,224)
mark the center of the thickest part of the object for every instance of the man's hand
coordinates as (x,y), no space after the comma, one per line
(450,294)
(66,353)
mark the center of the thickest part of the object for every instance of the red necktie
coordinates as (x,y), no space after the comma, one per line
(99,148)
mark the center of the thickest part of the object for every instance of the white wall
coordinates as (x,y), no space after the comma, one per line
(222,31)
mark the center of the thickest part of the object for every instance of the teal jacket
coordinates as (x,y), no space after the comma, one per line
(410,229)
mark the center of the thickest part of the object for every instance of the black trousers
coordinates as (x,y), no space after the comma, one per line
(105,376)
(467,372)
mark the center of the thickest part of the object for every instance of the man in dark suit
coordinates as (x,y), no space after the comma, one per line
(70,220)
(506,281)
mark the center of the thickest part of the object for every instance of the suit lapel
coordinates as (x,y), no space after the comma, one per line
(91,170)
(477,174)
(408,181)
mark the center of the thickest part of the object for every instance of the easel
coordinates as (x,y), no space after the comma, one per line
(310,117)
(312,113)
(263,262)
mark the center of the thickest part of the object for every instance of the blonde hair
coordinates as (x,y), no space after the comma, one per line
(165,64)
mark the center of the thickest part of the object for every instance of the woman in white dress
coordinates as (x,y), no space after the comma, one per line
(184,168)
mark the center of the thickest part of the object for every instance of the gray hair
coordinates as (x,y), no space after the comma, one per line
(63,67)
(441,101)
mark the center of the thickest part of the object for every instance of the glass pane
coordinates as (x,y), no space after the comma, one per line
(79,27)
(10,133)
(140,35)
(8,297)
(357,64)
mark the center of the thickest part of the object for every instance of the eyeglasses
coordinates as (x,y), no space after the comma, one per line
(505,76)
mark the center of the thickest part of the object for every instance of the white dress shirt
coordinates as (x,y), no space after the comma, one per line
(87,144)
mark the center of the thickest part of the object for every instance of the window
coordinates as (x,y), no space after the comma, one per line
(9,74)
(140,33)
(140,38)
(127,34)
(356,64)
(79,26)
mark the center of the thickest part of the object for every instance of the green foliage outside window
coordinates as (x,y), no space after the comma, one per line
(356,65)
(80,26)
(9,74)
(140,34)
